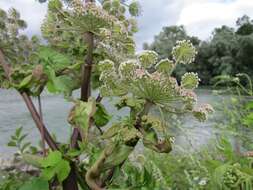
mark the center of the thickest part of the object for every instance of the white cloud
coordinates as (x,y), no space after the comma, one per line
(201,17)
(31,11)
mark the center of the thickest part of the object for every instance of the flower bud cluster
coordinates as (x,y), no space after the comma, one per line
(147,79)
(190,80)
(147,58)
(184,52)
(127,69)
(78,6)
(94,10)
(165,66)
(201,112)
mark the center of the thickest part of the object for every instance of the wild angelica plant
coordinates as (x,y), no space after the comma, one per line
(91,46)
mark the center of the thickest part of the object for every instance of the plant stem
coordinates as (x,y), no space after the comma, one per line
(28,101)
(42,130)
(86,78)
(36,117)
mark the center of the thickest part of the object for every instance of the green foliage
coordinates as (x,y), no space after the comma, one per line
(80,35)
(12,180)
(18,140)
(228,51)
(55,165)
(81,114)
(35,184)
(101,115)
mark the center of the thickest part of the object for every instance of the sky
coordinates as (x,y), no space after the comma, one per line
(199,17)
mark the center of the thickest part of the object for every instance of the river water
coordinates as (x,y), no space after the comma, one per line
(13,114)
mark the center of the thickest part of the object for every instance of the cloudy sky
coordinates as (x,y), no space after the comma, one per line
(200,17)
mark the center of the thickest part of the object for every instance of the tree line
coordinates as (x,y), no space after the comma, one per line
(228,51)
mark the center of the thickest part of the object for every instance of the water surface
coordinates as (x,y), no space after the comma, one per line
(13,114)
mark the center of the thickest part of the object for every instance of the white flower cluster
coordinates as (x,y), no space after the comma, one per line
(184,52)
(188,95)
(147,79)
(165,66)
(147,58)
(78,6)
(190,80)
(127,69)
(96,11)
(140,72)
(106,66)
(201,112)
(156,76)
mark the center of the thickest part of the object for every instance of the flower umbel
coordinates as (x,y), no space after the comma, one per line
(184,52)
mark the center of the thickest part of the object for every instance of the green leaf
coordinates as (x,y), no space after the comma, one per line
(25,82)
(119,154)
(62,170)
(248,120)
(101,116)
(12,143)
(22,138)
(249,105)
(33,160)
(18,131)
(24,146)
(52,58)
(74,152)
(112,131)
(35,184)
(48,173)
(52,159)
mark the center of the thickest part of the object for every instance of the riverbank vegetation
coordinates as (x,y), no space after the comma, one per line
(228,51)
(90,46)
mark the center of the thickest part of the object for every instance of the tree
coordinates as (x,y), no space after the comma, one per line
(245,25)
(92,46)
(228,51)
